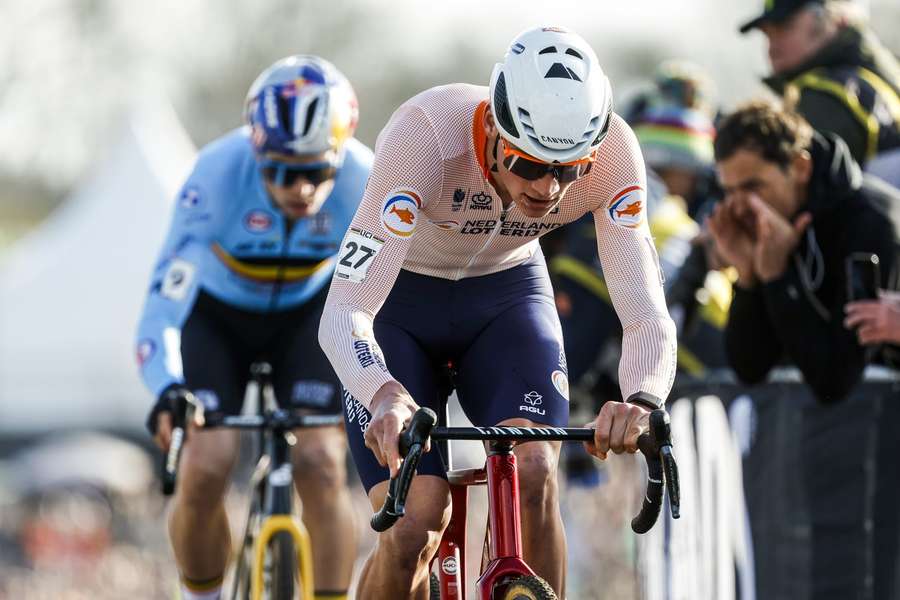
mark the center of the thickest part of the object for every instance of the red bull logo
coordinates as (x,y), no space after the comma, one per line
(400,212)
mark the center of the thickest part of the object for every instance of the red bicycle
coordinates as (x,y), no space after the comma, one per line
(504,574)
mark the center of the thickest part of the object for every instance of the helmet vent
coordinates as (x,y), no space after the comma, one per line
(525,119)
(590,128)
(548,50)
(560,71)
(504,117)
(605,129)
(284,112)
(310,112)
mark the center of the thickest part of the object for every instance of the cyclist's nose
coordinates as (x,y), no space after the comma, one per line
(303,187)
(547,186)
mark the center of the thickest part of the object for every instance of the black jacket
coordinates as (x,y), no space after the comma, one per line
(851,88)
(799,317)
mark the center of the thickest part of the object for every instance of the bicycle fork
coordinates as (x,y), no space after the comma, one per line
(278,518)
(505,540)
(269,527)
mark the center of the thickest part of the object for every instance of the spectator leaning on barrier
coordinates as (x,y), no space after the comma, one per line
(848,82)
(796,207)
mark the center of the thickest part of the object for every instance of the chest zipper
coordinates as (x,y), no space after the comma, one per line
(279,280)
(487,243)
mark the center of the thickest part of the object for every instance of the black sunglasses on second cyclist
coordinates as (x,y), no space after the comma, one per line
(521,165)
(286,174)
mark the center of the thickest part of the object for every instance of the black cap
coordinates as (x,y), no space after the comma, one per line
(777,11)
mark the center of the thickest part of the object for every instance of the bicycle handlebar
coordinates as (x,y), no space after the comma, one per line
(655,445)
(192,411)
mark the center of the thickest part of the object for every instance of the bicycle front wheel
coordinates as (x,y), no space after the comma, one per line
(528,588)
(283,554)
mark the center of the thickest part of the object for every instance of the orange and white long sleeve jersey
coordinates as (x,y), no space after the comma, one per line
(430,209)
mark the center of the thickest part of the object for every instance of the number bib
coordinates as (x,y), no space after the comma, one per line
(358,251)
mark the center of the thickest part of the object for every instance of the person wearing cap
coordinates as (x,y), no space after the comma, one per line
(843,80)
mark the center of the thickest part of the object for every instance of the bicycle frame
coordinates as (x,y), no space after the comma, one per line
(501,475)
(504,550)
(274,484)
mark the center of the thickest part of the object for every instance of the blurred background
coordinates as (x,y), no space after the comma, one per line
(103,106)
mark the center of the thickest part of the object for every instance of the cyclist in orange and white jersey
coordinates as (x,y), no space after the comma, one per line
(441,264)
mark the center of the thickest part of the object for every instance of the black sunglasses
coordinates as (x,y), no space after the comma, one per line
(531,170)
(286,175)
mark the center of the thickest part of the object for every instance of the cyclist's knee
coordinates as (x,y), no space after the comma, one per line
(414,538)
(537,464)
(205,469)
(320,462)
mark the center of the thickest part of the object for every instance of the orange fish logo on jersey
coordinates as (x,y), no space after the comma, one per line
(626,209)
(633,209)
(404,214)
(400,212)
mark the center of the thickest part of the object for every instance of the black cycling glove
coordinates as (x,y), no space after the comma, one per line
(166,402)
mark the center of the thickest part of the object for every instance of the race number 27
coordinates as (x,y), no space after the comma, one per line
(358,251)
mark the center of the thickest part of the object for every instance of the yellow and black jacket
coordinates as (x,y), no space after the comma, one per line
(851,88)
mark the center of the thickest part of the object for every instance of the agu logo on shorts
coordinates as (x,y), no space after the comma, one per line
(627,207)
(400,212)
(533,399)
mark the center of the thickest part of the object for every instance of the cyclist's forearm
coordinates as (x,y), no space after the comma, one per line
(346,336)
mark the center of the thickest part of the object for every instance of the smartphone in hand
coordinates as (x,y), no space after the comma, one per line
(863,276)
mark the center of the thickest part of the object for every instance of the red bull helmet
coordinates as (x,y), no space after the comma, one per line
(301,105)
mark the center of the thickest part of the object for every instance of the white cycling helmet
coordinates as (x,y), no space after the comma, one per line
(301,105)
(549,96)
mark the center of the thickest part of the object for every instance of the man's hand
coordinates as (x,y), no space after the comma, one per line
(617,428)
(392,407)
(734,239)
(160,422)
(878,321)
(776,238)
(163,435)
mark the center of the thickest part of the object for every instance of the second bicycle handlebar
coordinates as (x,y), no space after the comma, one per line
(192,411)
(655,445)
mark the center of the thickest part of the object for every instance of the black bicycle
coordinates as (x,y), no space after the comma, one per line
(275,557)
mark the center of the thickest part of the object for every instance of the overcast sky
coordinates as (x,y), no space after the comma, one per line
(73,69)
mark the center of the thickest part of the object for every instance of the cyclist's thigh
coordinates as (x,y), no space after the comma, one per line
(211,365)
(516,368)
(212,361)
(409,364)
(303,377)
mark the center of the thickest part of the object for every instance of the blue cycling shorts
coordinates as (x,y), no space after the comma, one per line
(500,331)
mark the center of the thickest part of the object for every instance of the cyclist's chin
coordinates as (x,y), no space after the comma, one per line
(299,209)
(536,208)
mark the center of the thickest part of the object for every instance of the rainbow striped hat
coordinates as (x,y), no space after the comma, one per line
(674,136)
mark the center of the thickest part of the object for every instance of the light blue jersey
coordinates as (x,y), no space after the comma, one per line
(228,239)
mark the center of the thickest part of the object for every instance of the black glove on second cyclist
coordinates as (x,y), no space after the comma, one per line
(167,401)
